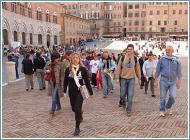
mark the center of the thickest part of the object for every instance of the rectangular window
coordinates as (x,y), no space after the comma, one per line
(174,12)
(150,23)
(159,22)
(143,14)
(180,12)
(175,22)
(185,11)
(137,6)
(130,23)
(130,7)
(165,11)
(158,12)
(165,22)
(136,14)
(136,23)
(130,14)
(150,29)
(151,12)
(142,23)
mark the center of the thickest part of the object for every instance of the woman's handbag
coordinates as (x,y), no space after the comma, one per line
(84,92)
(47,76)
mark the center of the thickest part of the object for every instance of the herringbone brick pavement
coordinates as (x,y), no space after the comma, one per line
(26,115)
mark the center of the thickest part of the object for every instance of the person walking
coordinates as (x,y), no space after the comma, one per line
(39,64)
(126,70)
(107,65)
(28,69)
(55,82)
(94,68)
(149,69)
(76,69)
(141,62)
(169,67)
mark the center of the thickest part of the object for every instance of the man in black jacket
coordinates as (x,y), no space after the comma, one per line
(141,62)
(28,70)
(39,64)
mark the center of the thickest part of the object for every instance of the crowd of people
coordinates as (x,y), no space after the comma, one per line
(68,70)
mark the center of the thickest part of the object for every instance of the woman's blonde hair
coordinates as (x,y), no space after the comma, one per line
(80,61)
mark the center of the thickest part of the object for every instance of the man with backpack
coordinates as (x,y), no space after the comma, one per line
(126,70)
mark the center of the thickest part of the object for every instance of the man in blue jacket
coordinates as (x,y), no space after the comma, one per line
(169,67)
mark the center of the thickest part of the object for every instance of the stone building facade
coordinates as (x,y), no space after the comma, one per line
(34,24)
(138,19)
(74,29)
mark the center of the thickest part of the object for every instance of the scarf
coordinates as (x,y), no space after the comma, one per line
(75,68)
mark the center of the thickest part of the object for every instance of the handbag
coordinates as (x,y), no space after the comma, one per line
(83,89)
(84,92)
(47,76)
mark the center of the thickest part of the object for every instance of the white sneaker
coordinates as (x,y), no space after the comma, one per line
(162,114)
(169,111)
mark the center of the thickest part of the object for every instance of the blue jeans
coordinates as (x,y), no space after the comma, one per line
(106,84)
(167,86)
(55,99)
(127,89)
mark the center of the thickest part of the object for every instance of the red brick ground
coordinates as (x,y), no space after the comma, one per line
(26,115)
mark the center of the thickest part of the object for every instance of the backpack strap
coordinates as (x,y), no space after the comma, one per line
(123,57)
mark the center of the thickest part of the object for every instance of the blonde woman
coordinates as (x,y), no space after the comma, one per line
(76,69)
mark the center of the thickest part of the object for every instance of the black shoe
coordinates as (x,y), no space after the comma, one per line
(59,108)
(32,88)
(120,105)
(26,89)
(41,89)
(77,132)
(153,95)
(44,87)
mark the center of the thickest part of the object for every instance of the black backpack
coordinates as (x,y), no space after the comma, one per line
(123,57)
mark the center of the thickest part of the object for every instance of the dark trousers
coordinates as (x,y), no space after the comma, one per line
(16,69)
(76,102)
(151,81)
(143,79)
(94,79)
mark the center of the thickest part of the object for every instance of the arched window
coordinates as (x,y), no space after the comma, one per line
(4,5)
(23,38)
(39,39)
(47,16)
(55,39)
(15,36)
(13,7)
(39,13)
(31,38)
(48,40)
(5,37)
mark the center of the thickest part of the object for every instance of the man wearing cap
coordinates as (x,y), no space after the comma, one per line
(169,67)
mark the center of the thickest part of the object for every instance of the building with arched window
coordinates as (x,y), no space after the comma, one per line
(34,24)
